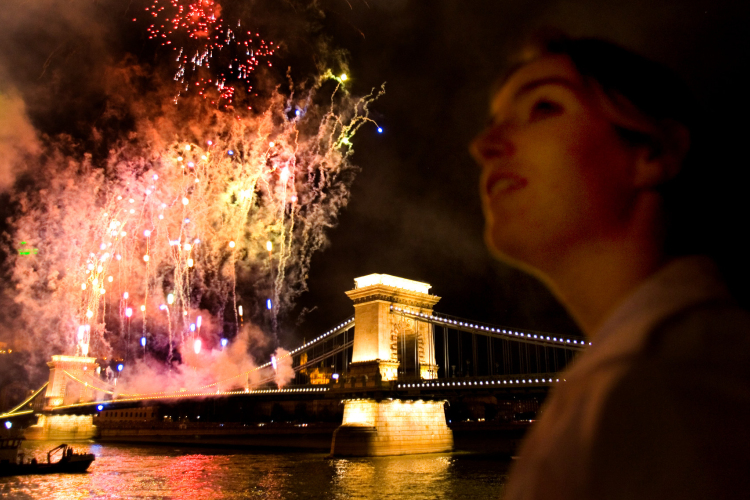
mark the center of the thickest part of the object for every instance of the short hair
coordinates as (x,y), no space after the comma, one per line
(659,94)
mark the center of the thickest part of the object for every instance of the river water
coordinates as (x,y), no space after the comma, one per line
(130,471)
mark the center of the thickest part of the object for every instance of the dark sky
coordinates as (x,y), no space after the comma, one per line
(414,209)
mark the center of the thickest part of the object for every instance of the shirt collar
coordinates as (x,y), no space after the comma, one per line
(682,283)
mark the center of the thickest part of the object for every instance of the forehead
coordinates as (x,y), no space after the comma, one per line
(552,70)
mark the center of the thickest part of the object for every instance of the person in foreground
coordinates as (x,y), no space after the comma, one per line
(591,168)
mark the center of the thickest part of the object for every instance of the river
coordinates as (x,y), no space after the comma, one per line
(175,472)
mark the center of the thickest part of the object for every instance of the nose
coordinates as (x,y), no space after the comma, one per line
(491,144)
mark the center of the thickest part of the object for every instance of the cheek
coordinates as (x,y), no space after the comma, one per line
(606,166)
(582,173)
(601,196)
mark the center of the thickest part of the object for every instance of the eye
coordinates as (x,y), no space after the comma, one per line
(544,108)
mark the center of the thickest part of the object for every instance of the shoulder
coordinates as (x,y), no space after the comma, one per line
(669,420)
(677,416)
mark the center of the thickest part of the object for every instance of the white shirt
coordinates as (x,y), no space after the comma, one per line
(658,407)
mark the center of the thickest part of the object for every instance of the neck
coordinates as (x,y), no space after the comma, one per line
(591,278)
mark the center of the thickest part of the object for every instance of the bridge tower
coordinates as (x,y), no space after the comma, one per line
(71,380)
(386,343)
(61,389)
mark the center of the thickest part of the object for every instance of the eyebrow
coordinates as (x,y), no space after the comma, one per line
(552,80)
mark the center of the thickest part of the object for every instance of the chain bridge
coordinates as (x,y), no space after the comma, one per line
(393,364)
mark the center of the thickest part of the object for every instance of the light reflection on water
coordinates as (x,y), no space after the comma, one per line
(123,471)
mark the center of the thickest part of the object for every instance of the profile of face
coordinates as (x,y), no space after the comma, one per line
(555,172)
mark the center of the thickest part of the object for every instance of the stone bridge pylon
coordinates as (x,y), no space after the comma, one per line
(388,344)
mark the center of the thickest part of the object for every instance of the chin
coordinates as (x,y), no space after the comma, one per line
(513,255)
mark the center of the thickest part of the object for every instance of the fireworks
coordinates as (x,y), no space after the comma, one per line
(178,218)
(174,232)
(201,38)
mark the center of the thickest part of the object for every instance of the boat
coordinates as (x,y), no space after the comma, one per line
(13,463)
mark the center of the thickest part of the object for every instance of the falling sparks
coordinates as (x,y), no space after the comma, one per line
(148,228)
(201,39)
(209,204)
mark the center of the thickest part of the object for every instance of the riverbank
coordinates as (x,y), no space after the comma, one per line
(476,437)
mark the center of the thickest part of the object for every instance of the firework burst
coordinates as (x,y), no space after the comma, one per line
(202,39)
(199,214)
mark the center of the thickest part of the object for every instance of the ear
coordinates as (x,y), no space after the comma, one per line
(661,160)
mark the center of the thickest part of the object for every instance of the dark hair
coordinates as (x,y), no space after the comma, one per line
(659,94)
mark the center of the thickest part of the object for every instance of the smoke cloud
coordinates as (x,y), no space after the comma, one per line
(18,138)
(156,203)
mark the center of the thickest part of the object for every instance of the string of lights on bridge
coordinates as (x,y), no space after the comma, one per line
(348,324)
(565,342)
(17,410)
(335,330)
(480,383)
(101,405)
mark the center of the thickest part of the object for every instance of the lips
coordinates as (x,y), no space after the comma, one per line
(504,182)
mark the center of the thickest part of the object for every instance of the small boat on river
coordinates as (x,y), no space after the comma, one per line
(13,463)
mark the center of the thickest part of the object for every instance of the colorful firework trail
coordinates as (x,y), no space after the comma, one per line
(202,39)
(156,243)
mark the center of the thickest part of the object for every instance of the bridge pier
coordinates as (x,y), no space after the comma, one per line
(62,427)
(387,347)
(392,427)
(72,379)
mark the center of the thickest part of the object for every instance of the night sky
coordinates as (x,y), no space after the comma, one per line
(414,209)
